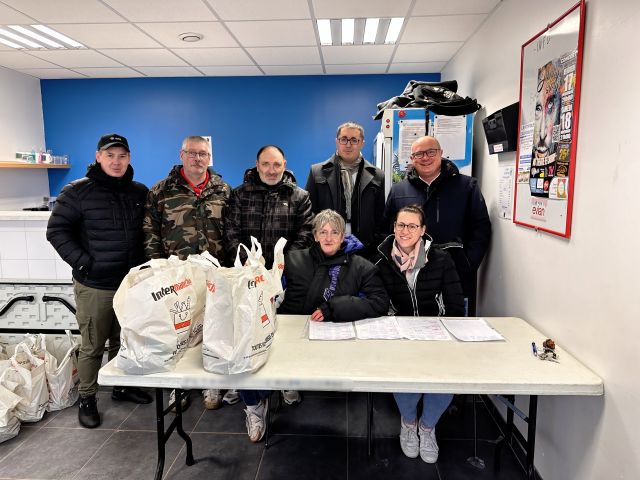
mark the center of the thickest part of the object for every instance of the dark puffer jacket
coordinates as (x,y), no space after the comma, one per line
(326,191)
(268,213)
(96,227)
(359,292)
(437,289)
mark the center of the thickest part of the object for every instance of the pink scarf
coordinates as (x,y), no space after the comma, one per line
(405,261)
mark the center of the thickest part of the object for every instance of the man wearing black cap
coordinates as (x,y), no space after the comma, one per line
(96,227)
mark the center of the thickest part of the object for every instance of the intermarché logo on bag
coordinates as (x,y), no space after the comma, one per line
(171,289)
(254,283)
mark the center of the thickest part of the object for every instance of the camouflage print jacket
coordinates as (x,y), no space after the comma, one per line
(177,222)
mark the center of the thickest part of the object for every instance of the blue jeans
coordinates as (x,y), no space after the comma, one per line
(251,398)
(433,406)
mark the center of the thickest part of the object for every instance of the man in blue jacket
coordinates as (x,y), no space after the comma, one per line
(96,227)
(456,214)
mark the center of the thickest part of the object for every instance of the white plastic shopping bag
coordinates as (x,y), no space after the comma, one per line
(199,263)
(155,305)
(61,368)
(26,378)
(9,423)
(240,320)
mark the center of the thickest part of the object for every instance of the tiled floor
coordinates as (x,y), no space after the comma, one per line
(323,438)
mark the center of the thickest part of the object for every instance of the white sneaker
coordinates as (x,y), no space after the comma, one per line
(291,397)
(255,422)
(231,397)
(428,445)
(212,399)
(409,439)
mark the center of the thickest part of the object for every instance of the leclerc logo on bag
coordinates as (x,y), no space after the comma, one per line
(171,289)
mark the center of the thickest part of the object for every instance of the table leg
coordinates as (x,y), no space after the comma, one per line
(531,436)
(506,438)
(181,432)
(369,421)
(160,432)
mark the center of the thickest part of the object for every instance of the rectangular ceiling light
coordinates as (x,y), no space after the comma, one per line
(36,36)
(10,44)
(58,36)
(371,30)
(348,29)
(18,38)
(394,30)
(324,31)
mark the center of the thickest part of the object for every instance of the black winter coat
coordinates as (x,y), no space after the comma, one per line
(359,292)
(268,213)
(96,227)
(438,277)
(455,212)
(325,189)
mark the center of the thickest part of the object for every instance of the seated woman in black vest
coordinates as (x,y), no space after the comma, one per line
(421,281)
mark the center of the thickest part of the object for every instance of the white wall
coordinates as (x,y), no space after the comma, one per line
(21,128)
(581,291)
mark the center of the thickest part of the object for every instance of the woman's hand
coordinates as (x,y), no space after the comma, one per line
(317,316)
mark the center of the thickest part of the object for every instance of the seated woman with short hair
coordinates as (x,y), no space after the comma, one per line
(421,281)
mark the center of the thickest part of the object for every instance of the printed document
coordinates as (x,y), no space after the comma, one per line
(422,328)
(382,328)
(471,330)
(331,331)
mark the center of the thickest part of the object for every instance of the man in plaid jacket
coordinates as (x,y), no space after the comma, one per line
(268,205)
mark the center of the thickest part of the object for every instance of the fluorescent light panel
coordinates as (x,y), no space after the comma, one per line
(18,38)
(58,36)
(394,30)
(36,36)
(10,44)
(348,29)
(324,31)
(370,30)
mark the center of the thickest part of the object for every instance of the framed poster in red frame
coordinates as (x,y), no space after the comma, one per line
(550,74)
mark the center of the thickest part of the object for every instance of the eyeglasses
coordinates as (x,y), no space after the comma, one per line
(432,152)
(327,233)
(345,140)
(412,227)
(201,155)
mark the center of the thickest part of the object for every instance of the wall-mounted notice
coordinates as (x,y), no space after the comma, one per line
(505,190)
(549,101)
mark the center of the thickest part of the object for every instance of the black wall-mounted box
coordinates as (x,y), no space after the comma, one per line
(501,129)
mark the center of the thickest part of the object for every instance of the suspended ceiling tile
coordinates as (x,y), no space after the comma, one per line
(423,67)
(285,55)
(112,35)
(66,11)
(441,28)
(260,9)
(360,8)
(426,52)
(274,33)
(147,57)
(231,71)
(20,60)
(76,58)
(51,73)
(9,16)
(162,10)
(214,34)
(109,72)
(360,69)
(213,56)
(169,71)
(293,70)
(453,7)
(357,54)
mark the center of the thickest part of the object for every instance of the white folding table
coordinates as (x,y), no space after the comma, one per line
(505,368)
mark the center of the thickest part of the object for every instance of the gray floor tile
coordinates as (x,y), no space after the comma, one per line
(226,419)
(144,417)
(10,445)
(386,418)
(53,453)
(112,413)
(130,455)
(304,457)
(228,456)
(314,416)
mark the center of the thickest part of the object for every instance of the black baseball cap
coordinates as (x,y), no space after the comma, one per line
(113,140)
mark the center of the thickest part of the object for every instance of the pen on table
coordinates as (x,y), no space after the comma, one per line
(534,349)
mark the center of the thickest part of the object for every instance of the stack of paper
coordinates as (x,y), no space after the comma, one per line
(469,330)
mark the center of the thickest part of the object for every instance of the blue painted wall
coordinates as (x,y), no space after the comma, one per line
(298,113)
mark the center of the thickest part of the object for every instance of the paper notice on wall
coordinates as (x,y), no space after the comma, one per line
(408,131)
(506,174)
(451,132)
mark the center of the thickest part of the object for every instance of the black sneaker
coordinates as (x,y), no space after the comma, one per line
(130,394)
(88,412)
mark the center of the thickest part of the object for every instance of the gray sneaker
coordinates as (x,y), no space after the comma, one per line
(231,397)
(291,397)
(428,445)
(409,439)
(256,420)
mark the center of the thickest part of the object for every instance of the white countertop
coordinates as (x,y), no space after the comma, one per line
(505,367)
(24,215)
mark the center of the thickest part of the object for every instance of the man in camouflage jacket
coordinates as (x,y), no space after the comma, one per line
(268,205)
(185,211)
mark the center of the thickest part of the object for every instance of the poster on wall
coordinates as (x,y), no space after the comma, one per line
(551,64)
